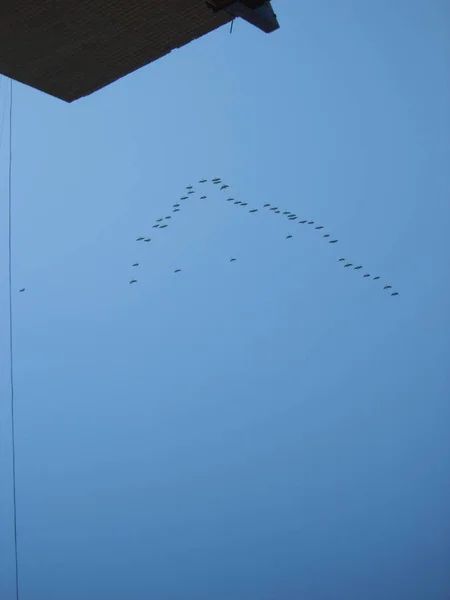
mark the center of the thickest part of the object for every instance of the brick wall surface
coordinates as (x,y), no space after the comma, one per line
(71,48)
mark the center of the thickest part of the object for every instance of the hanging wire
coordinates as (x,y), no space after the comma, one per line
(2,121)
(11,362)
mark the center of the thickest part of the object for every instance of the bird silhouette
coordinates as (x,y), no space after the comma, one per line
(22,290)
(290,216)
(139,239)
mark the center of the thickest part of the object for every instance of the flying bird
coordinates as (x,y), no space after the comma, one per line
(147,240)
(302,222)
(319,227)
(358,267)
(266,205)
(156,225)
(237,202)
(348,265)
(286,212)
(176,205)
(163,226)
(136,265)
(176,210)
(394,294)
(202,197)
(191,192)
(22,290)
(133,281)
(183,198)
(159,220)
(277,212)
(387,287)
(333,241)
(341,260)
(139,239)
(216,181)
(168,217)
(232,259)
(377,277)
(326,235)
(177,271)
(189,187)
(292,218)
(224,187)
(203,180)
(253,210)
(288,237)
(216,178)
(366,275)
(244,203)
(310,222)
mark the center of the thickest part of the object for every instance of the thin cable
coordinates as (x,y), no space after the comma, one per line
(11,362)
(4,111)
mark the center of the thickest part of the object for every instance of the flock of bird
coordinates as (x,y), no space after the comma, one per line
(161,223)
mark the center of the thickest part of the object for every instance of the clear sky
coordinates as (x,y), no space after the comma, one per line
(275,428)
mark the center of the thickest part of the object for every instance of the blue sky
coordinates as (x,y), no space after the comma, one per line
(270,429)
